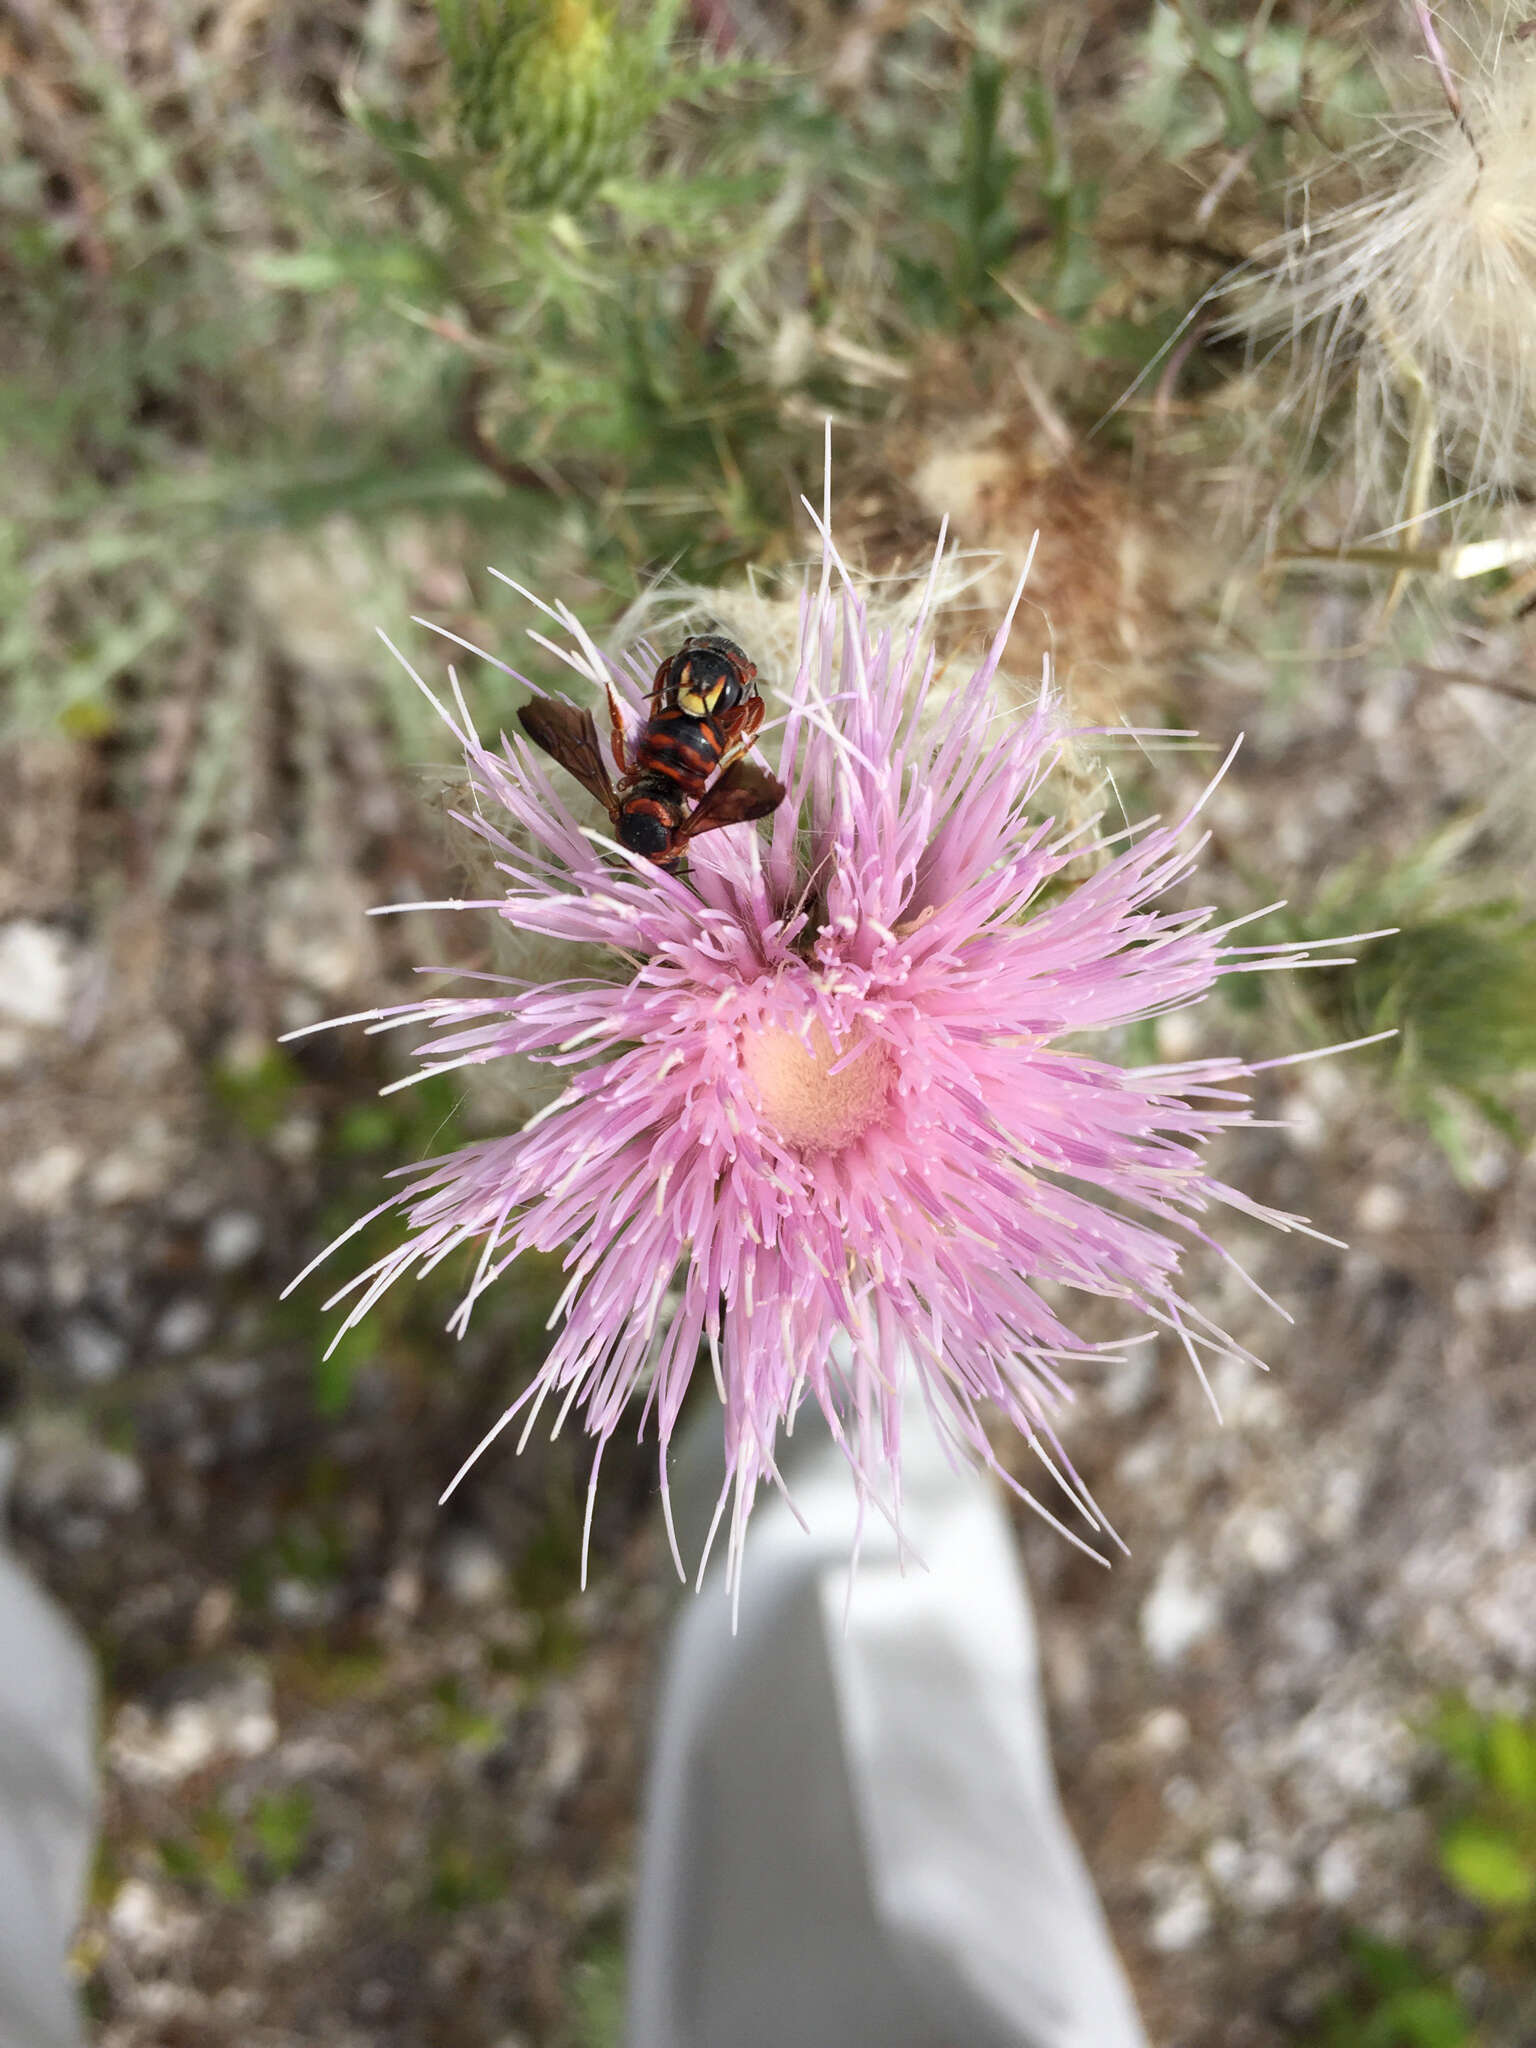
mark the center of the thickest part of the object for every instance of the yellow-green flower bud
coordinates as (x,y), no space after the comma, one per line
(554,90)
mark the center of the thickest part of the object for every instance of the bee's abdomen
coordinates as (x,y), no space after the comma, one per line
(648,817)
(679,752)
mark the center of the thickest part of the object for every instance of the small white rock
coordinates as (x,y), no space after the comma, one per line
(1504,1516)
(295,1138)
(1268,1542)
(154,1050)
(143,1918)
(1129,1382)
(1307,1627)
(1181,1796)
(232,1239)
(295,1920)
(1268,1882)
(1257,1880)
(1249,1398)
(138,1170)
(402,1591)
(1471,1297)
(183,1326)
(1325,1083)
(235,1719)
(1336,1875)
(1334,796)
(1305,1124)
(1343,1497)
(1515,1279)
(1183,1915)
(37,973)
(1381,1207)
(43,1184)
(93,1352)
(1178,1035)
(1143,1464)
(563,1765)
(61,1466)
(473,1572)
(302,1602)
(1489,1166)
(1180,1611)
(1164,1732)
(68,1278)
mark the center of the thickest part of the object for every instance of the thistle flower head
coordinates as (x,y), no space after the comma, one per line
(824,1121)
(1419,299)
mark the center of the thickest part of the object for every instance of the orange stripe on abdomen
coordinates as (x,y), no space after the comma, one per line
(679,750)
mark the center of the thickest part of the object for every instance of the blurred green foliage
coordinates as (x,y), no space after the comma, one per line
(281,1825)
(1488,1851)
(258,1092)
(1455,979)
(595,1995)
(1396,2002)
(1401,1998)
(975,204)
(459,1879)
(206,1858)
(223,1855)
(461,1725)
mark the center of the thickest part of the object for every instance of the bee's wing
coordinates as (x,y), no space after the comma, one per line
(569,735)
(744,791)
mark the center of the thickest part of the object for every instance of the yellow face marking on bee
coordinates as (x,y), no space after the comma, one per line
(693,701)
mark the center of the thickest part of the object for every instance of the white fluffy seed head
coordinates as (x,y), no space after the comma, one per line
(1424,294)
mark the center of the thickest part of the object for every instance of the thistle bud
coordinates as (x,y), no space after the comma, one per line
(553,92)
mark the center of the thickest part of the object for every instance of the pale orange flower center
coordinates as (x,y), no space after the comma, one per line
(802,1100)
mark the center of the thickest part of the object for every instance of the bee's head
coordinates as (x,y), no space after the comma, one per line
(709,674)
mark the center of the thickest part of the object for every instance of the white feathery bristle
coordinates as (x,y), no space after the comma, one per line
(1425,290)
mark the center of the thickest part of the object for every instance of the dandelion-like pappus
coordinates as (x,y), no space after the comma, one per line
(819,1132)
(1417,301)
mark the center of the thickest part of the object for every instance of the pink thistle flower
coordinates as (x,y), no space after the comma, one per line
(817,1119)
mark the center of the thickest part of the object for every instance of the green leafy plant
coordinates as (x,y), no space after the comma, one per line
(461,1725)
(1238,83)
(1071,204)
(1488,1850)
(220,1854)
(973,205)
(1395,2002)
(460,1879)
(1455,979)
(206,1857)
(595,1995)
(282,1824)
(1399,1997)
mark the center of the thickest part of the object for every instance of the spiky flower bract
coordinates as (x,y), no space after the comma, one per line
(820,1122)
(1416,304)
(555,91)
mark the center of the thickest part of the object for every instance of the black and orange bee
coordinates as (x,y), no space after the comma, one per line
(703,712)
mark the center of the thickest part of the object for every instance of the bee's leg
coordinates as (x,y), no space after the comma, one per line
(616,727)
(653,695)
(748,719)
